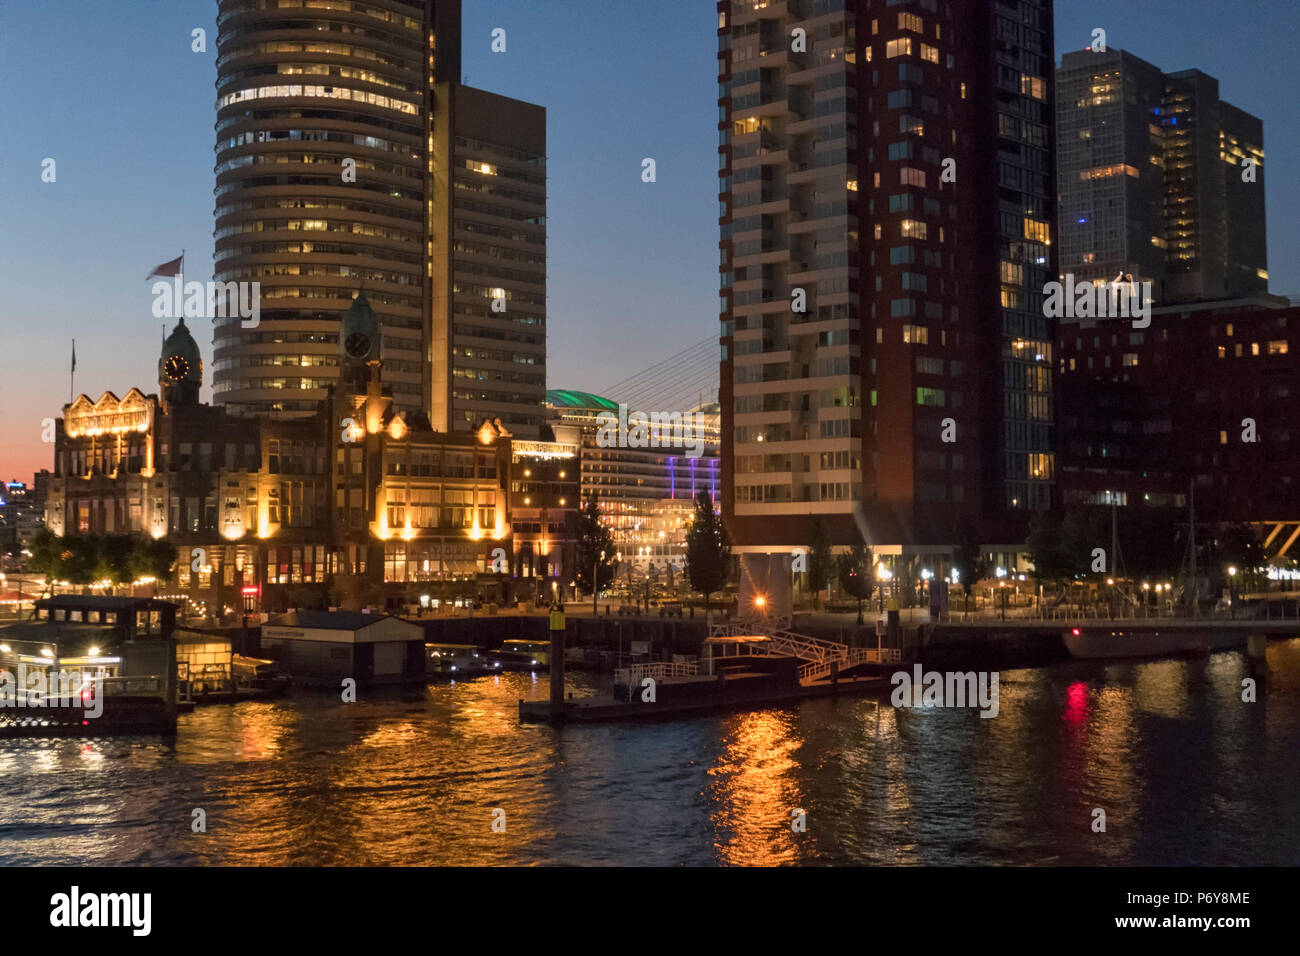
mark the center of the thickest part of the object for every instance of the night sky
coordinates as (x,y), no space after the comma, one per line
(112,92)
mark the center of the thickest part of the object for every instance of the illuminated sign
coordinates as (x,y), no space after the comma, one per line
(543,449)
(109,416)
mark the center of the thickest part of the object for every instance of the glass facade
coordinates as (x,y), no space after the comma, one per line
(320,191)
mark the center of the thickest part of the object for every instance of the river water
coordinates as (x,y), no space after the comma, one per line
(1186,772)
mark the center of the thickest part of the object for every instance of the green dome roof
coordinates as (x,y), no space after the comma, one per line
(568,398)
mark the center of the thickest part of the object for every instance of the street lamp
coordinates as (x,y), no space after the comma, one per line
(1232,592)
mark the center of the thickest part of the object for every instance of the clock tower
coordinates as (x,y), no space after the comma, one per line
(358,344)
(180,368)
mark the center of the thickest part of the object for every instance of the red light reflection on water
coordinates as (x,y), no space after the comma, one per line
(1076,703)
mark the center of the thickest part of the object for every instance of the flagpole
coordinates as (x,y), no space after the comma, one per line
(72,376)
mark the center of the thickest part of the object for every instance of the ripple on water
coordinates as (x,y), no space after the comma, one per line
(1183,768)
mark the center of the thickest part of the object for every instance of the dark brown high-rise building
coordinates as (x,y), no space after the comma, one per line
(338,165)
(888,204)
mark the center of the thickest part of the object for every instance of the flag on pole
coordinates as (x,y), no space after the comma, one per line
(74,355)
(172,268)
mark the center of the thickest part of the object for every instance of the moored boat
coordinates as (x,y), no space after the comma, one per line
(458,659)
(527,655)
(1168,640)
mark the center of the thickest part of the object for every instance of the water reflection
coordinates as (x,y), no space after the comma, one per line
(1187,772)
(754,784)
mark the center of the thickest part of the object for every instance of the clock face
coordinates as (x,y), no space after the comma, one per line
(357,345)
(176,368)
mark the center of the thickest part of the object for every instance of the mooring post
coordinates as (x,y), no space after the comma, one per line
(557,660)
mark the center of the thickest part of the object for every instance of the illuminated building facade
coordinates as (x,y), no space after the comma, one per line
(347,152)
(888,204)
(1150,167)
(22,513)
(358,503)
(491,331)
(1150,414)
(646,495)
(544,503)
(217,486)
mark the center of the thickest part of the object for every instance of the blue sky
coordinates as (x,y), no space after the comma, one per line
(112,92)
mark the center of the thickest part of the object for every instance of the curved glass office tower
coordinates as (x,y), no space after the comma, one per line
(305,91)
(341,163)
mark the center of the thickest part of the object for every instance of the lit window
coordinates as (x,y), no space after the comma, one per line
(1033,86)
(1277,347)
(910,21)
(912,229)
(1038,231)
(900,47)
(930,53)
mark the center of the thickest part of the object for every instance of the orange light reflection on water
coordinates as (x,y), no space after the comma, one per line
(756,790)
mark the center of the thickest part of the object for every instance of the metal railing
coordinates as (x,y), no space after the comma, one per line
(783,643)
(658,670)
(820,656)
(813,670)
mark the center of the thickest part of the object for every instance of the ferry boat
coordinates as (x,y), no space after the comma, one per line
(458,659)
(1163,640)
(525,654)
(258,674)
